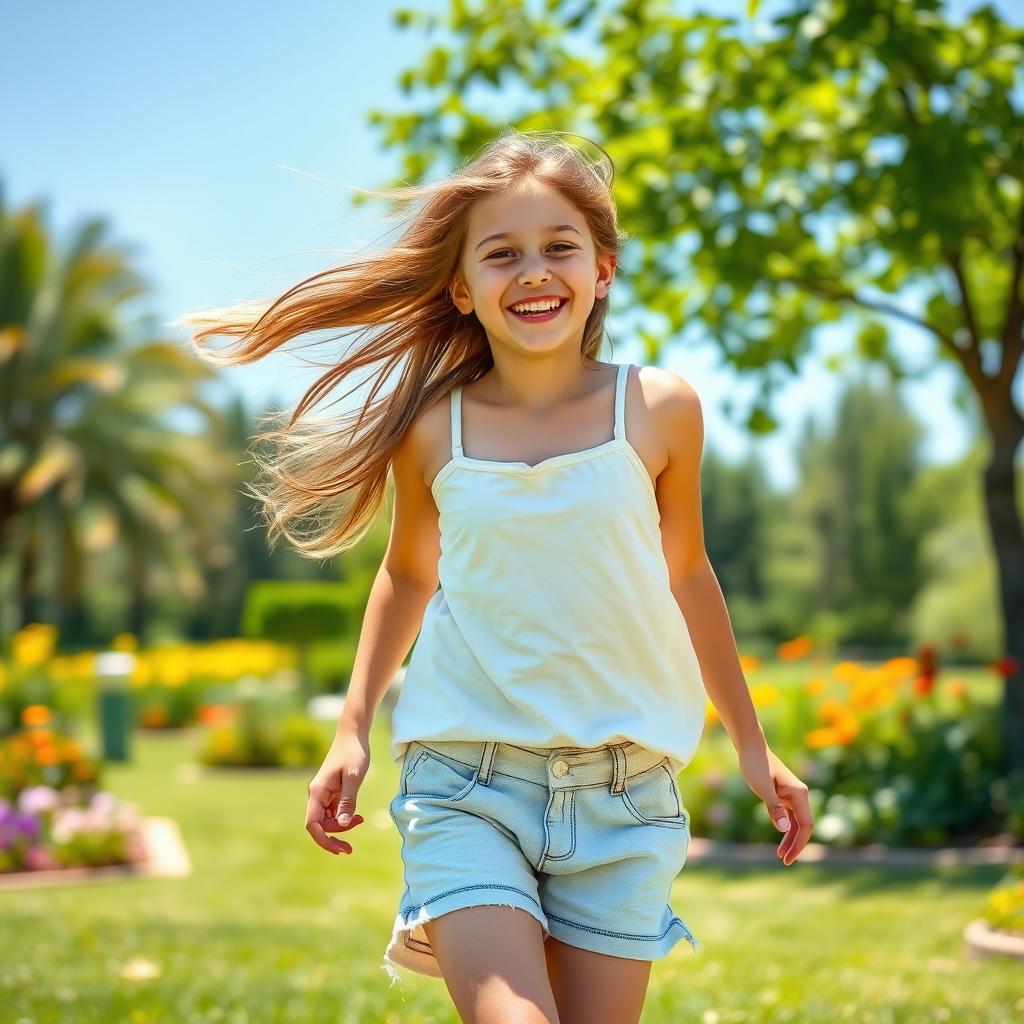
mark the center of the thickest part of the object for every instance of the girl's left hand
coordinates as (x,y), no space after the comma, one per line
(783,794)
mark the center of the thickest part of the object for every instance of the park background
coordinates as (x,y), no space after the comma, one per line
(171,160)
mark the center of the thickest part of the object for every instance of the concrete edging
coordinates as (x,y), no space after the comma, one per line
(165,856)
(875,854)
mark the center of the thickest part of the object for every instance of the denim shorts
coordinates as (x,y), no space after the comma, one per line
(587,840)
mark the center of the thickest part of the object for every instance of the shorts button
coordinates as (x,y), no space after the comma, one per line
(559,768)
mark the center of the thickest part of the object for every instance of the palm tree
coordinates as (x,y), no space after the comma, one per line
(89,458)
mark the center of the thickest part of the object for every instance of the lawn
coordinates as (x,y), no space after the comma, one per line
(271,928)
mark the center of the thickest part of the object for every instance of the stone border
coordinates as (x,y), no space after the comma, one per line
(984,942)
(722,851)
(164,856)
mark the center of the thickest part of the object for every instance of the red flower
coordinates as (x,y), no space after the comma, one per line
(924,684)
(1006,666)
(926,656)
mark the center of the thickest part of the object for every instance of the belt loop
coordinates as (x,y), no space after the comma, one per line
(618,769)
(487,761)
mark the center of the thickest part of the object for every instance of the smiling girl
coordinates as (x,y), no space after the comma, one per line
(560,673)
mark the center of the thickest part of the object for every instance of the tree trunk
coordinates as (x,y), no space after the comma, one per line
(138,605)
(1008,540)
(28,602)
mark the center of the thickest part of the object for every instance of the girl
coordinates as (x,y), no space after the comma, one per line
(560,673)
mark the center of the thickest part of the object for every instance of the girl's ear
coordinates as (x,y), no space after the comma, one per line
(460,295)
(605,273)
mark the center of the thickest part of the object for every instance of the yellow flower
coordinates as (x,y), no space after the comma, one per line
(900,668)
(816,686)
(847,671)
(33,645)
(124,642)
(762,694)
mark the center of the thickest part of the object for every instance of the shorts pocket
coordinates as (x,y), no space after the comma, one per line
(434,776)
(653,797)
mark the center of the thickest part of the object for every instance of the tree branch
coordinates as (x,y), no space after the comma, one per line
(969,358)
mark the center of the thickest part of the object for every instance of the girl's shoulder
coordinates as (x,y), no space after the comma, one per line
(658,382)
(425,440)
(666,394)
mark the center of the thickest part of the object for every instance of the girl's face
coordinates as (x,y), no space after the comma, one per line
(545,250)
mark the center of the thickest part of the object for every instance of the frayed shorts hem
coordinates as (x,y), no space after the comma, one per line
(409,947)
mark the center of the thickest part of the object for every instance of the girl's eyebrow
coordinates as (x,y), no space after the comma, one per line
(508,234)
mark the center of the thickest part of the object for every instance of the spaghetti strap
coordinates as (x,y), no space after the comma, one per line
(456,409)
(620,401)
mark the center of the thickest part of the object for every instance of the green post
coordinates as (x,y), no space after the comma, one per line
(113,672)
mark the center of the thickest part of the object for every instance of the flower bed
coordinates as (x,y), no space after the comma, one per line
(897,753)
(259,730)
(171,685)
(53,812)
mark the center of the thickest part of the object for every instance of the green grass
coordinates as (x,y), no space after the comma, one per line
(271,928)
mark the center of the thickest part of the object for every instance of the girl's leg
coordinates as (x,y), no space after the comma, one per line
(492,960)
(594,988)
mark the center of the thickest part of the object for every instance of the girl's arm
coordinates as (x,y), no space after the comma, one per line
(394,613)
(677,414)
(679,421)
(405,582)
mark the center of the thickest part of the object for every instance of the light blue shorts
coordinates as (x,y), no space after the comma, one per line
(587,840)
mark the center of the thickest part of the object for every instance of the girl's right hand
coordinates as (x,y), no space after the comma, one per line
(332,793)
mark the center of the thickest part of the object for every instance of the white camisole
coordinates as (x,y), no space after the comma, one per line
(554,624)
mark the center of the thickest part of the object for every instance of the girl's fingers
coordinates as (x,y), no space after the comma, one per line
(330,823)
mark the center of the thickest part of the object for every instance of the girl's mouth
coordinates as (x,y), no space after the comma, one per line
(540,317)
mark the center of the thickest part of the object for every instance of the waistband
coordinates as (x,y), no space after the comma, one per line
(557,767)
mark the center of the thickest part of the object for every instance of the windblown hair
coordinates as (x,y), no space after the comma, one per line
(322,469)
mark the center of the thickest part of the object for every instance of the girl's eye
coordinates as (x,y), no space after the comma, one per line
(500,251)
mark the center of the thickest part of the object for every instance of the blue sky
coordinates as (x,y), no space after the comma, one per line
(221,141)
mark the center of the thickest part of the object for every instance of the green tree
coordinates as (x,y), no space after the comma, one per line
(839,158)
(90,461)
(856,499)
(739,508)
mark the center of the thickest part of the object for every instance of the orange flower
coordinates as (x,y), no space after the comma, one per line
(216,714)
(957,688)
(35,714)
(798,647)
(832,710)
(749,662)
(846,731)
(153,716)
(47,755)
(821,738)
(816,686)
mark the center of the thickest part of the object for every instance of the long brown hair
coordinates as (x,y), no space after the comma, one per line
(322,468)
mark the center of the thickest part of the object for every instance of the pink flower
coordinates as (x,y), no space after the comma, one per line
(37,858)
(37,800)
